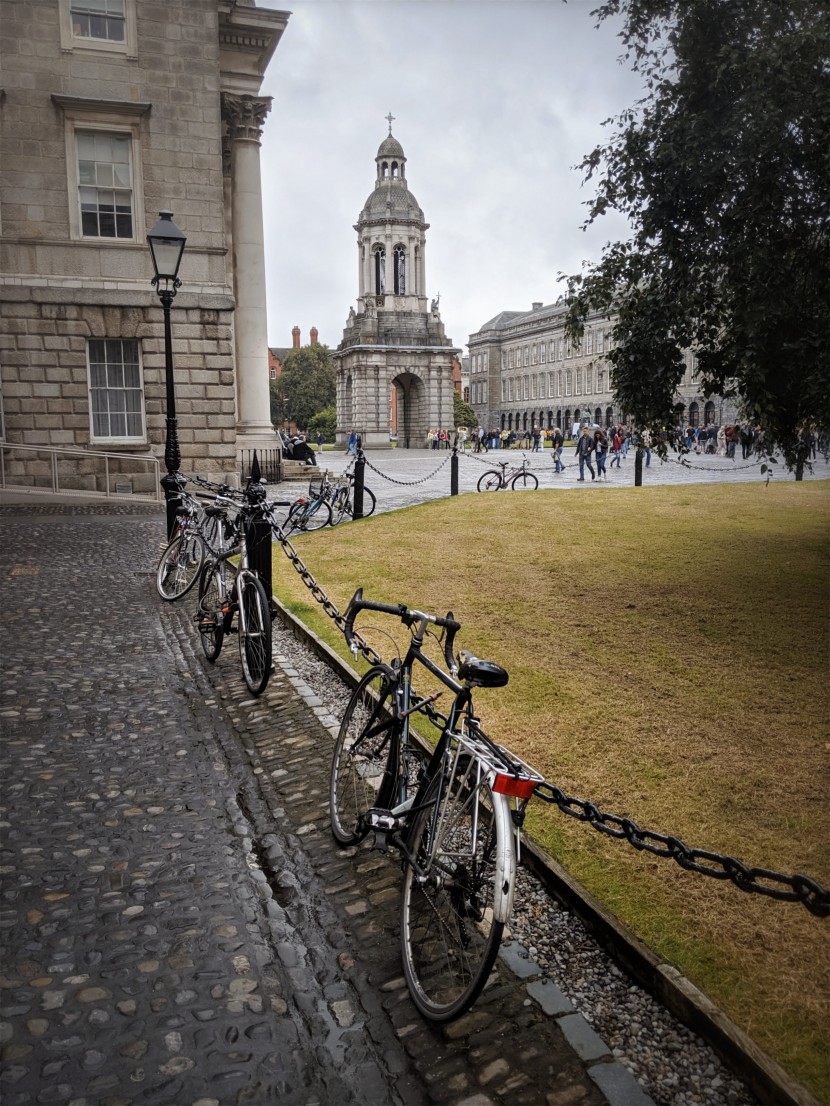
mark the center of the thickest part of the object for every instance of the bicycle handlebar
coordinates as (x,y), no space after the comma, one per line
(409,618)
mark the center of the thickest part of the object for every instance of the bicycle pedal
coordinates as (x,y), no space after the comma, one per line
(381,820)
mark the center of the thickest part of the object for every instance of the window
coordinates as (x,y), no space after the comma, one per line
(589,343)
(559,354)
(467,394)
(510,358)
(116,396)
(504,360)
(542,351)
(600,336)
(510,391)
(503,390)
(578,382)
(550,385)
(400,267)
(105,184)
(534,353)
(568,382)
(107,25)
(600,380)
(568,348)
(526,388)
(588,375)
(559,383)
(380,270)
(533,388)
(527,356)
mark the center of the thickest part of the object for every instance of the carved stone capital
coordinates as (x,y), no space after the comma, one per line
(245,115)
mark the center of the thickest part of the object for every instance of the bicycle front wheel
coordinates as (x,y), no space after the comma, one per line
(453,914)
(360,755)
(214,588)
(489,481)
(254,632)
(317,516)
(524,480)
(179,565)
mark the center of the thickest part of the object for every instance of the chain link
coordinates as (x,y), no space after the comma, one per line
(761,881)
(406,483)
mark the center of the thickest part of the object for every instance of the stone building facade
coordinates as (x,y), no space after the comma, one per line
(394,363)
(525,372)
(109,113)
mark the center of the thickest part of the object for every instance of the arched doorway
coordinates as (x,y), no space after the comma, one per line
(709,414)
(410,403)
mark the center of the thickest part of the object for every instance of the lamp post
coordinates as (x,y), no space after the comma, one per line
(166,249)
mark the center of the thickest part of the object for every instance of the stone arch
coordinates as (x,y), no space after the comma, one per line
(411,406)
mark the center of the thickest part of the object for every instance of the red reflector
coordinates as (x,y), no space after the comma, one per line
(509,785)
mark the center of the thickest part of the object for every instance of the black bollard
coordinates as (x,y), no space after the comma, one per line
(359,468)
(258,536)
(454,470)
(638,467)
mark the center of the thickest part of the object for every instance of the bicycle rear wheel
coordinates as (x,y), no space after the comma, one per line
(524,480)
(179,565)
(452,920)
(489,481)
(317,515)
(215,586)
(360,755)
(254,632)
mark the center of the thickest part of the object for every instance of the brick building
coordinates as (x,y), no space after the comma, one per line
(109,113)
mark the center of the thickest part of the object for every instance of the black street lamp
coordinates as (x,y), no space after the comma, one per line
(166,249)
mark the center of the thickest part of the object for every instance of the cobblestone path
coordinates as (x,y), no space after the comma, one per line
(177,924)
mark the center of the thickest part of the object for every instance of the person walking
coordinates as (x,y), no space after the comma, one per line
(645,437)
(616,448)
(558,446)
(351,445)
(584,449)
(601,451)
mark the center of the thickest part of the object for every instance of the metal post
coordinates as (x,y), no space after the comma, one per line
(454,469)
(54,472)
(258,536)
(359,468)
(638,467)
(172,456)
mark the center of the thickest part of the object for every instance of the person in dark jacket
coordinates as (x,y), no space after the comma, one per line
(558,445)
(584,449)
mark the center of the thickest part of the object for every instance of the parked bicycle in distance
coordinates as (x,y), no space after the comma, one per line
(311,511)
(516,477)
(196,535)
(340,491)
(228,590)
(452,812)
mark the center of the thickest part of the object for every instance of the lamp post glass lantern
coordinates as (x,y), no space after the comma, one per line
(166,248)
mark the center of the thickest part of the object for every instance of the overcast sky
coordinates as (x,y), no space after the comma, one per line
(495,103)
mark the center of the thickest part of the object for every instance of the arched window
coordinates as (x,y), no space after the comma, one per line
(400,270)
(609,415)
(524,421)
(709,414)
(568,420)
(598,416)
(380,270)
(510,422)
(394,170)
(694,414)
(502,422)
(385,170)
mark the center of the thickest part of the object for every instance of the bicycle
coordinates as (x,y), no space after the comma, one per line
(341,495)
(310,512)
(517,477)
(195,535)
(446,810)
(227,589)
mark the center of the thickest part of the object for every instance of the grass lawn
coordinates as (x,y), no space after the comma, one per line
(668,659)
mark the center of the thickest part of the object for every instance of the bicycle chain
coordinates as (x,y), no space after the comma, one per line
(761,881)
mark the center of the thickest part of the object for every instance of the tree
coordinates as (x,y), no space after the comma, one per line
(462,413)
(721,170)
(324,422)
(305,386)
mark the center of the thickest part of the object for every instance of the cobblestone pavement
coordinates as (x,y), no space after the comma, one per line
(178,928)
(392,474)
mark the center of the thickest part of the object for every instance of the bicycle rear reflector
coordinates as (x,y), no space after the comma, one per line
(515,786)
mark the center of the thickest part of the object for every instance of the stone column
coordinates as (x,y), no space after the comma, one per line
(244,116)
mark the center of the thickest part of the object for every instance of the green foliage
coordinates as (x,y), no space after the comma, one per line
(462,413)
(324,421)
(721,170)
(305,387)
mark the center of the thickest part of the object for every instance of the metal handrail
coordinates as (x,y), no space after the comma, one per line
(54,451)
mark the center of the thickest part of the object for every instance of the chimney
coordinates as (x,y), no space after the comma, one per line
(536,306)
(313,333)
(295,335)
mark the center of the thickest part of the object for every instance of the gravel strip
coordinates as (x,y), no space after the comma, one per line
(673,1064)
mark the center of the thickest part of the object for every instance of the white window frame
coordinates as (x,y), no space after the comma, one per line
(589,343)
(578,382)
(550,385)
(588,375)
(125,439)
(560,346)
(568,382)
(600,380)
(600,337)
(533,388)
(121,118)
(509,391)
(70,41)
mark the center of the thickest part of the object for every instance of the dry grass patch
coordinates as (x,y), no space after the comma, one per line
(668,659)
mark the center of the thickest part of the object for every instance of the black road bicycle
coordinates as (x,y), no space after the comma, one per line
(452,811)
(197,534)
(227,590)
(517,477)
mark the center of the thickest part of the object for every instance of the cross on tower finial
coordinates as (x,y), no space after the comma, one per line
(390,117)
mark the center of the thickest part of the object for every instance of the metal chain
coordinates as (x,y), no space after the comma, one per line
(687,464)
(406,483)
(795,888)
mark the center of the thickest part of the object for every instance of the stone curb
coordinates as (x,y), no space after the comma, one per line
(766,1079)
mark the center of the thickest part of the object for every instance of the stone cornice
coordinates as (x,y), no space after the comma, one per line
(94,105)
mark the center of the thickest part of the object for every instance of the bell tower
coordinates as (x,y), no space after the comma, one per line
(394,363)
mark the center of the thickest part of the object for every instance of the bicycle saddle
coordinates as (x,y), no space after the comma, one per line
(480,673)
